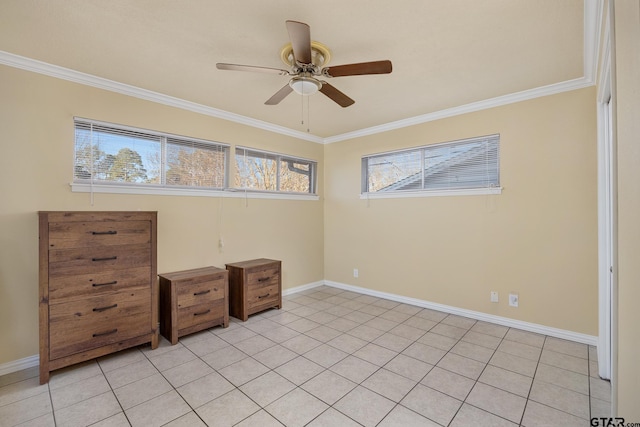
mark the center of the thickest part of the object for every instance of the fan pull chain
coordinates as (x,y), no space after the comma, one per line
(303,96)
(308,113)
(302,107)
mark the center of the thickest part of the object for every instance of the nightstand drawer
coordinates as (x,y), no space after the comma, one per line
(200,293)
(269,294)
(269,276)
(200,314)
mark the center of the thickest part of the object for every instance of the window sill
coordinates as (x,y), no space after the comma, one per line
(431,193)
(185,191)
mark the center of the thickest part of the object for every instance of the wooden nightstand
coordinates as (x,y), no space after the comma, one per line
(193,300)
(254,286)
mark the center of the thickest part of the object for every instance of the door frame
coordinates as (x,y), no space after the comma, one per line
(607,223)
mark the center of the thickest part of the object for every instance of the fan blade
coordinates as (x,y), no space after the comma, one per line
(338,97)
(279,95)
(300,36)
(375,67)
(236,67)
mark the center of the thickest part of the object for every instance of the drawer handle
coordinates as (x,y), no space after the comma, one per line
(102,334)
(201,292)
(202,312)
(110,232)
(263,279)
(115,282)
(100,309)
(111,258)
(263,296)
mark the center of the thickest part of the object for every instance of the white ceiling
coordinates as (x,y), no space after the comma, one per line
(445,54)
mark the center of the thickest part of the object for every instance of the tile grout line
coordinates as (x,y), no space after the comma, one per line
(526,403)
(270,370)
(349,353)
(379,368)
(53,411)
(329,406)
(113,391)
(477,379)
(371,342)
(176,389)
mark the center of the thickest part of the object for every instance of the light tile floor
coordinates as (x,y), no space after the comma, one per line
(328,358)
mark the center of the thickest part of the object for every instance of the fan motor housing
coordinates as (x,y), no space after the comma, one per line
(320,55)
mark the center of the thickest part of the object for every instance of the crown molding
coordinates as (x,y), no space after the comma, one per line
(593,11)
(56,71)
(464,109)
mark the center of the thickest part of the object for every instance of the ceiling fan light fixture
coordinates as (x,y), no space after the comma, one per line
(305,85)
(307,60)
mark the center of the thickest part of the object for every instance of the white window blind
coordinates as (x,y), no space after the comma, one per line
(106,153)
(264,171)
(467,164)
(194,164)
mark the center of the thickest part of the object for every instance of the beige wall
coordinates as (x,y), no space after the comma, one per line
(627,111)
(538,238)
(36,166)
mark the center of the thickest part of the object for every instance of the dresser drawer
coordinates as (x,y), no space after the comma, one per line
(94,260)
(63,235)
(202,313)
(88,323)
(200,293)
(94,284)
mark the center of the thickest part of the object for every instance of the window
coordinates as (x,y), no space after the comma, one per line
(118,155)
(263,171)
(469,166)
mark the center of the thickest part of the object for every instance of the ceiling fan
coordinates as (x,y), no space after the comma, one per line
(307,60)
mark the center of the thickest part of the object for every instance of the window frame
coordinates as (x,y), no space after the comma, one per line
(278,158)
(109,187)
(164,140)
(470,191)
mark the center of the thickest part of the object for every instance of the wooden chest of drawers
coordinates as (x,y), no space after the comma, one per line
(97,285)
(193,300)
(254,286)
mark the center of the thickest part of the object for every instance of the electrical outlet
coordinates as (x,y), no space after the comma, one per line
(355,272)
(494,296)
(513,300)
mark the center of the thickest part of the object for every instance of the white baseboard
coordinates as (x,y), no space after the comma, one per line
(19,365)
(31,361)
(302,288)
(499,320)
